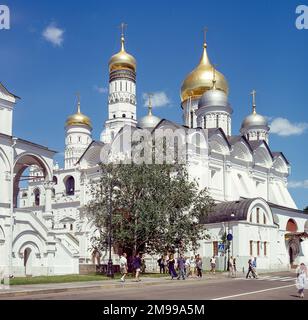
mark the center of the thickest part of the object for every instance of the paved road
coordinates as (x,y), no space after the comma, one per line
(279,286)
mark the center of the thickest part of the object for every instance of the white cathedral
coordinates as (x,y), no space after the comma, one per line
(44,229)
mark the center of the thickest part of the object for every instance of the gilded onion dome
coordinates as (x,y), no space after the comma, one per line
(78,119)
(200,79)
(122,59)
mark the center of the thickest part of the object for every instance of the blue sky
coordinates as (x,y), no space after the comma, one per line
(254,43)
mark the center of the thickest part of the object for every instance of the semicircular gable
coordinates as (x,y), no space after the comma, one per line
(241,151)
(262,157)
(218,144)
(280,165)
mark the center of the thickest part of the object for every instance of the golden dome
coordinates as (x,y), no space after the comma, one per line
(78,119)
(122,59)
(201,79)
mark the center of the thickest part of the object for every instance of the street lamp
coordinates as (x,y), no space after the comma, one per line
(229,238)
(110,272)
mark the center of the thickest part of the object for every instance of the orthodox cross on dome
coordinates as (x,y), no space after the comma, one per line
(78,101)
(253,93)
(150,107)
(205,29)
(123,26)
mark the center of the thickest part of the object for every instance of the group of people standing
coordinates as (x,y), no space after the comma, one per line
(182,267)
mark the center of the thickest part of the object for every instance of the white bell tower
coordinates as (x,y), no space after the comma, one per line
(122,93)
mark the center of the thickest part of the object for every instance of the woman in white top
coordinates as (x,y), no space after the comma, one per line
(192,264)
(301,281)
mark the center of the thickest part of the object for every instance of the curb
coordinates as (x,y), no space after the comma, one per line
(100,286)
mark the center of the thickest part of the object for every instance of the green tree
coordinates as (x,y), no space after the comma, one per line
(155,208)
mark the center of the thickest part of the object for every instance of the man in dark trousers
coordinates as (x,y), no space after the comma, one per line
(181,267)
(250,270)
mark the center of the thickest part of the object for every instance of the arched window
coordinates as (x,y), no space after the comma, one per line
(70,186)
(71,227)
(114,116)
(55,180)
(217,121)
(264,219)
(291,226)
(37,197)
(53,192)
(205,122)
(191,119)
(123,115)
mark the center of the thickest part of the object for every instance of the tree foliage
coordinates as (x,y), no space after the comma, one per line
(155,208)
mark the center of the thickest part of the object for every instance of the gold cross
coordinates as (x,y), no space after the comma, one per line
(123,26)
(204,33)
(78,101)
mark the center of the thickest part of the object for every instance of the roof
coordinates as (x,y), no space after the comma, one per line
(223,211)
(8,92)
(278,153)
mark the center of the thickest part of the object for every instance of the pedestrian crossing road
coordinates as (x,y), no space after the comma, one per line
(273,278)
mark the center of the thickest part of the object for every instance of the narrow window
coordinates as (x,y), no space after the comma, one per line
(251,248)
(204,122)
(191,119)
(265,248)
(264,219)
(258,248)
(215,248)
(217,121)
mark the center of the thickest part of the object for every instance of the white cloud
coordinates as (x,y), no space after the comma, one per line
(159,99)
(283,127)
(298,184)
(53,34)
(101,89)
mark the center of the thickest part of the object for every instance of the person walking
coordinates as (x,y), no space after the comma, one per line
(234,266)
(181,267)
(192,263)
(302,279)
(213,264)
(137,266)
(161,264)
(171,263)
(123,266)
(199,266)
(254,267)
(187,266)
(231,267)
(250,270)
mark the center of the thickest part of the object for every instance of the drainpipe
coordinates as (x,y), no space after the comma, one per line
(10,251)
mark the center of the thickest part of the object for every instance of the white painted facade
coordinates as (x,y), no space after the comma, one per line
(48,232)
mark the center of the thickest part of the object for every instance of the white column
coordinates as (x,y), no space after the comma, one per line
(47,215)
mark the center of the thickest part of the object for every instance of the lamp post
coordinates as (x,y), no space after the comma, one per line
(229,239)
(110,272)
(11,238)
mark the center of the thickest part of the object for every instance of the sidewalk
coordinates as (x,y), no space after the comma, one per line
(22,290)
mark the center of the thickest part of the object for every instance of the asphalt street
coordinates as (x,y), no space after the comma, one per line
(278,286)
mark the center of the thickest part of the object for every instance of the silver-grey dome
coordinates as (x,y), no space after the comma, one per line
(253,120)
(213,98)
(148,121)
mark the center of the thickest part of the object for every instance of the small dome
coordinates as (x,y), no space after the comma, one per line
(213,97)
(254,120)
(200,79)
(78,119)
(149,121)
(122,60)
